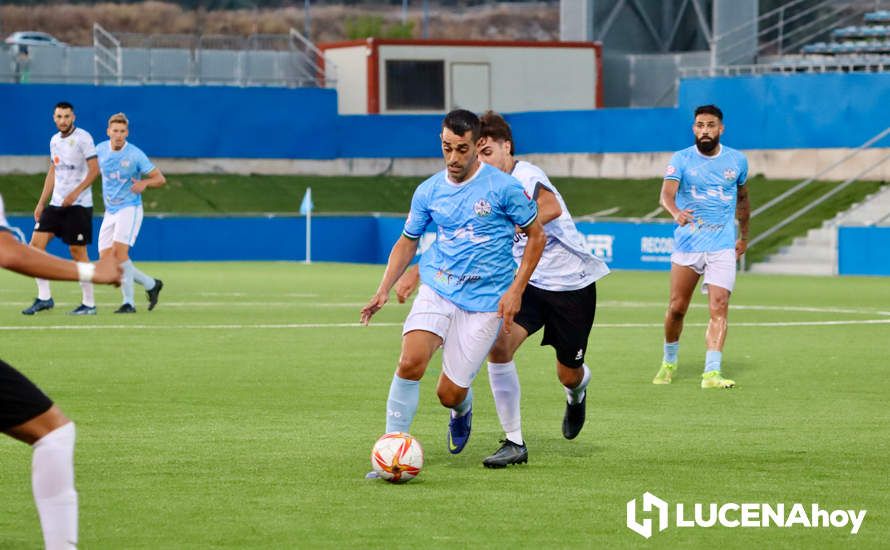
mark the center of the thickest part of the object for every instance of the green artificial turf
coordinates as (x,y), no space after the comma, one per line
(241,412)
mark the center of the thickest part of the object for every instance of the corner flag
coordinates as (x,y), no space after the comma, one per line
(306,210)
(306,206)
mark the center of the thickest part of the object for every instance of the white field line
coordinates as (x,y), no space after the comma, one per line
(387,325)
(603,304)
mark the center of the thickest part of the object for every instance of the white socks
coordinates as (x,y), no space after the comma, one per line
(576,394)
(52,480)
(88,299)
(505,387)
(43,292)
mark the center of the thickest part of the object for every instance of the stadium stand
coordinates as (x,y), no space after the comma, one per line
(867,40)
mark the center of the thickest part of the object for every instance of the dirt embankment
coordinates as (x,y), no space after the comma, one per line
(73,23)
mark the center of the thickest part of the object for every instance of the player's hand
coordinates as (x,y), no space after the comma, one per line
(69,200)
(683,217)
(138,186)
(375,305)
(407,284)
(38,212)
(508,307)
(108,271)
(741,246)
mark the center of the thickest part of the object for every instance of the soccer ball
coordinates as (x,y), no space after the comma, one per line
(397,457)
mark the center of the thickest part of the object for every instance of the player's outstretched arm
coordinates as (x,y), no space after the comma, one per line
(401,255)
(511,301)
(668,201)
(25,260)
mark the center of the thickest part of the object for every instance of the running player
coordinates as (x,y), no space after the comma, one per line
(560,298)
(28,415)
(126,173)
(704,188)
(468,276)
(69,216)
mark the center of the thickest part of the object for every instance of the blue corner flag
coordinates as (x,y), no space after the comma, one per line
(306,206)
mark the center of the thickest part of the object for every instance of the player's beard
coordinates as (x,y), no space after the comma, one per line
(707,147)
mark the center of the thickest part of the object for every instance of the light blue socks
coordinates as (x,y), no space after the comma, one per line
(712,360)
(670,352)
(401,406)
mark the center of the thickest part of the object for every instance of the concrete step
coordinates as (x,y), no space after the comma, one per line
(806,254)
(795,268)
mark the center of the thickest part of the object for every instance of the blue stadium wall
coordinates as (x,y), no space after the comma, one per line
(762,112)
(362,239)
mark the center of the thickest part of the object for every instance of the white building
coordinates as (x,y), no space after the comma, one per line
(395,76)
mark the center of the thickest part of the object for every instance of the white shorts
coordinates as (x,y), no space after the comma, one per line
(718,267)
(467,336)
(121,227)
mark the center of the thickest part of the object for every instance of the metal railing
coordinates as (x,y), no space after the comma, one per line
(773,35)
(798,64)
(325,71)
(289,60)
(816,202)
(107,57)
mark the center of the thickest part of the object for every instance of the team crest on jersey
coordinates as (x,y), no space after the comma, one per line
(125,163)
(730,174)
(482,208)
(670,170)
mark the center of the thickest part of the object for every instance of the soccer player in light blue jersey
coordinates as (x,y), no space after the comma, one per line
(704,191)
(126,173)
(469,287)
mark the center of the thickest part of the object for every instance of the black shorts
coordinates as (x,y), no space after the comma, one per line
(72,224)
(567,317)
(20,399)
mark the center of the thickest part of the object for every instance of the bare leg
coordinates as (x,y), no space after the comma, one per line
(718,303)
(683,281)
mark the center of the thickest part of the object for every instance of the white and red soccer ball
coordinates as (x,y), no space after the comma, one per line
(397,457)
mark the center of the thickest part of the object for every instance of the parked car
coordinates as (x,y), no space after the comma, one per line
(33,38)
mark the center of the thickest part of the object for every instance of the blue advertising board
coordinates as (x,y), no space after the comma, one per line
(863,250)
(357,239)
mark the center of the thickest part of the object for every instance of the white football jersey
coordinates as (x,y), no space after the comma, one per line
(69,156)
(566,263)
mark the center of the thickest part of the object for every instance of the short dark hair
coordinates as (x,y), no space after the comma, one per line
(64,105)
(495,127)
(709,110)
(460,121)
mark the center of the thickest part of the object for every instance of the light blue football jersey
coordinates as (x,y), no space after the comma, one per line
(471,261)
(708,187)
(118,169)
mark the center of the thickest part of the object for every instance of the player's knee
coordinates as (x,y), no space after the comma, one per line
(719,306)
(569,377)
(450,397)
(676,312)
(500,353)
(411,367)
